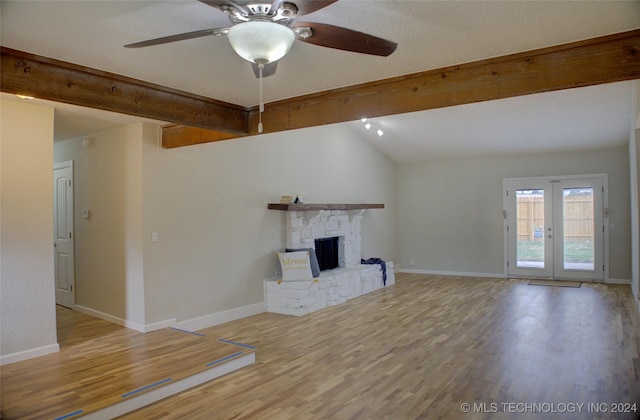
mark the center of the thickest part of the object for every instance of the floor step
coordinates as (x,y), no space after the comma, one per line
(104,370)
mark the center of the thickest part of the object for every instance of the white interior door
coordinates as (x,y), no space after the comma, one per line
(64,267)
(555,227)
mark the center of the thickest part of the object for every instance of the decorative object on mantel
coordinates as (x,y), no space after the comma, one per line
(316,206)
(286,199)
(292,199)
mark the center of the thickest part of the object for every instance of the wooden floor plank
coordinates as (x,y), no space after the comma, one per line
(418,349)
(425,346)
(101,364)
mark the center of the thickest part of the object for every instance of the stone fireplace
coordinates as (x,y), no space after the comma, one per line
(305,227)
(336,228)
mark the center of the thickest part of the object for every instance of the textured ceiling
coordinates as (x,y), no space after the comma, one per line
(430,34)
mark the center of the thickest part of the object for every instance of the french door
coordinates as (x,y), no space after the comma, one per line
(554,227)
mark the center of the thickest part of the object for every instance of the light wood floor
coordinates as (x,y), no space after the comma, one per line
(422,348)
(101,364)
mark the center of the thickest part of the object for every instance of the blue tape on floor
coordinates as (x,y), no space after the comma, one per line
(189,332)
(66,416)
(144,388)
(237,344)
(215,362)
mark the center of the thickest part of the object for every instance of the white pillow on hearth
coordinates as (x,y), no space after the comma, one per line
(295,265)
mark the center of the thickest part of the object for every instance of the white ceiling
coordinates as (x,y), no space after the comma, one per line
(430,34)
(594,117)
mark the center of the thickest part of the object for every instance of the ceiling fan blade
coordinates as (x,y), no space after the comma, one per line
(268,70)
(178,37)
(309,6)
(346,39)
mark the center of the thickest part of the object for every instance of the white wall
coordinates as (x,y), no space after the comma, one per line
(208,204)
(108,182)
(27,297)
(634,162)
(634,174)
(635,285)
(451,211)
(217,239)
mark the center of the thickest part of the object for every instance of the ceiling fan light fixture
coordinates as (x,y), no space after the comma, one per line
(261,41)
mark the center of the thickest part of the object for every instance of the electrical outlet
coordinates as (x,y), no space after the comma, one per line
(154,237)
(412,263)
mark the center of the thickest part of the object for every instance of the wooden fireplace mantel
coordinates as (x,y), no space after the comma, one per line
(314,206)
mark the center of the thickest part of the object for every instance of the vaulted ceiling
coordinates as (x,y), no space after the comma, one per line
(431,36)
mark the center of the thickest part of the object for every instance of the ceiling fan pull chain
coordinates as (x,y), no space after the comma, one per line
(261,110)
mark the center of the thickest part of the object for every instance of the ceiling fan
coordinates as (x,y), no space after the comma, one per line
(262,32)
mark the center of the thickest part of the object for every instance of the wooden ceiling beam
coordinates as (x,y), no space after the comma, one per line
(595,61)
(178,135)
(607,59)
(46,78)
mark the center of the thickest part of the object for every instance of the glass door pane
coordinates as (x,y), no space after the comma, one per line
(578,225)
(529,218)
(579,228)
(530,228)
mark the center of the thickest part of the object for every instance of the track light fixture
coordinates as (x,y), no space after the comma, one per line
(368,123)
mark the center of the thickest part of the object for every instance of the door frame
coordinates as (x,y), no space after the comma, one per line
(605,215)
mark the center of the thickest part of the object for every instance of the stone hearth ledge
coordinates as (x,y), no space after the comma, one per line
(333,287)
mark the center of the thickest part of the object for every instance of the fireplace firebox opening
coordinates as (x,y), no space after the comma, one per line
(328,253)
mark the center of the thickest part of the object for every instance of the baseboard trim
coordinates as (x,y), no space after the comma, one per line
(29,354)
(492,275)
(194,324)
(109,317)
(125,322)
(452,273)
(618,281)
(168,323)
(218,318)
